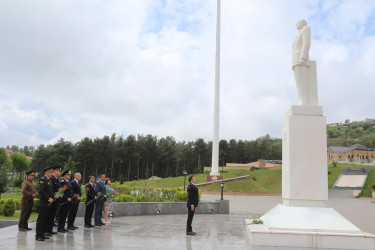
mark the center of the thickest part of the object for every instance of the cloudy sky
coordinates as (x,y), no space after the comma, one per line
(71,69)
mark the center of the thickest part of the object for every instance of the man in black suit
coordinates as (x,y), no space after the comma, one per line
(91,195)
(46,197)
(66,200)
(76,187)
(192,204)
(100,188)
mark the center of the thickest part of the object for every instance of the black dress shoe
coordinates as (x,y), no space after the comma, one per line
(45,237)
(87,226)
(103,224)
(52,232)
(28,228)
(91,225)
(98,225)
(71,228)
(190,233)
(62,230)
(22,229)
(39,238)
(75,227)
(47,234)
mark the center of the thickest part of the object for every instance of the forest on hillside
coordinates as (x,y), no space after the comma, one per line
(350,133)
(143,156)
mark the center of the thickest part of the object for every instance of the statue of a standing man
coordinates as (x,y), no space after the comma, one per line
(301,63)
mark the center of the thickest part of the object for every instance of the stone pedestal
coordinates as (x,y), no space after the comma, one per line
(304,170)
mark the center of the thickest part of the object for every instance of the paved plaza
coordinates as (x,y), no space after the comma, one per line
(168,231)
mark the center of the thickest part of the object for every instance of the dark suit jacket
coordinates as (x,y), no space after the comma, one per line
(68,193)
(76,187)
(55,184)
(91,192)
(100,187)
(192,195)
(45,191)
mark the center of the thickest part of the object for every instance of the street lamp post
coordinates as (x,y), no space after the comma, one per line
(185,173)
(222,189)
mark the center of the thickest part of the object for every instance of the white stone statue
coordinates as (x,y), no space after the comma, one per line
(304,69)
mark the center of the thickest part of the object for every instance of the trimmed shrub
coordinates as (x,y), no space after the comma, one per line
(2,201)
(373,186)
(9,208)
(17,203)
(124,198)
(141,194)
(180,196)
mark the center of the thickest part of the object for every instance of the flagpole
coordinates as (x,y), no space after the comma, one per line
(215,141)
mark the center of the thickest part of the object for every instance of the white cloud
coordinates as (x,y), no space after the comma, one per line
(72,70)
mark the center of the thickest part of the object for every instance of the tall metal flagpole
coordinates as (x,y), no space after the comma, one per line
(215,141)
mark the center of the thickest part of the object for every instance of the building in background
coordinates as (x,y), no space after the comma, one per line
(356,153)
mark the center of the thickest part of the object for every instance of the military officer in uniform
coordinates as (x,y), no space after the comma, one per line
(65,201)
(53,207)
(46,197)
(28,195)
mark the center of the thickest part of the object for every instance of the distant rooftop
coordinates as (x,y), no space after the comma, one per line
(350,148)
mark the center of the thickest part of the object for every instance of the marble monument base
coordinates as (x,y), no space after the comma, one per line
(307,227)
(304,154)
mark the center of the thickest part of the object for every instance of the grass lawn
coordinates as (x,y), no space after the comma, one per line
(16,196)
(367,188)
(174,182)
(266,181)
(16,216)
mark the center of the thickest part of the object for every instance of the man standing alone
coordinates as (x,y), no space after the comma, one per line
(102,194)
(192,204)
(28,194)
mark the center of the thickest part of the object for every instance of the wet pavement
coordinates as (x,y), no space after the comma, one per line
(214,231)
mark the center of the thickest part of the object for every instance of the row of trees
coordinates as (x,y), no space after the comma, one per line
(16,163)
(26,150)
(144,156)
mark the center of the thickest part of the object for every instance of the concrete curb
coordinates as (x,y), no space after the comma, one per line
(162,208)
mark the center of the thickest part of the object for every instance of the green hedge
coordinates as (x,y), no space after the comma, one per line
(7,207)
(141,194)
(2,201)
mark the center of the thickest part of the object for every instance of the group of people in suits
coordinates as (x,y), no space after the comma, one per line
(60,198)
